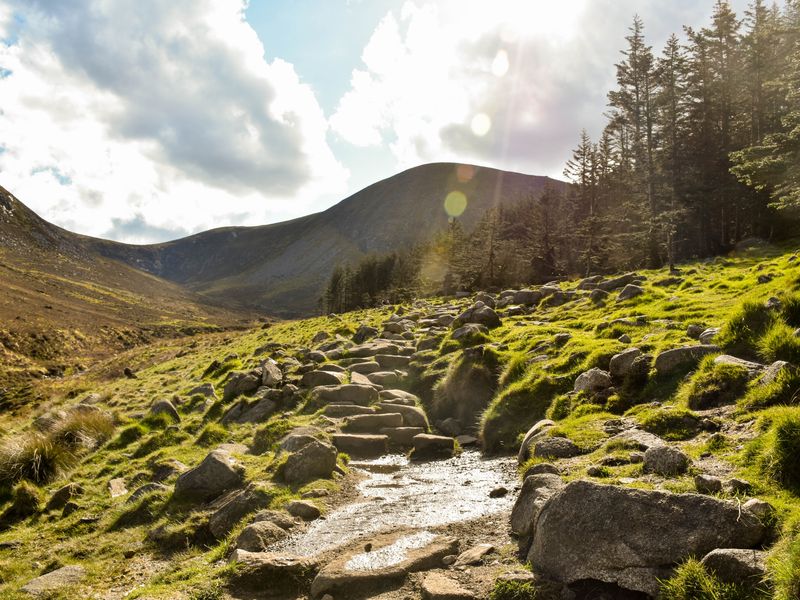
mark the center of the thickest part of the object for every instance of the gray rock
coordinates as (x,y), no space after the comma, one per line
(630,291)
(536,492)
(145,489)
(438,586)
(632,537)
(772,372)
(319,377)
(541,468)
(593,380)
(384,378)
(478,313)
(617,282)
(296,439)
(487,299)
(707,484)
(165,407)
(271,374)
(763,510)
(240,383)
(361,445)
(217,473)
(251,411)
(46,584)
(561,338)
(670,361)
(373,348)
(708,335)
(753,369)
(432,446)
(117,488)
(621,363)
(636,439)
(555,447)
(413,416)
(598,296)
(304,510)
(63,495)
(534,434)
(469,330)
(372,423)
(526,297)
(339,411)
(363,333)
(736,565)
(259,536)
(204,389)
(364,368)
(349,393)
(281,519)
(284,574)
(315,460)
(693,331)
(665,461)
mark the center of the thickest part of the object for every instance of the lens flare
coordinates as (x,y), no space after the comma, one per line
(481,124)
(500,63)
(455,204)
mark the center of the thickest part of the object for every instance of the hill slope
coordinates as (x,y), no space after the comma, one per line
(61,300)
(282,268)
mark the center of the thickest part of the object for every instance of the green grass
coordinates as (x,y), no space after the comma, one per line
(780,343)
(692,581)
(716,385)
(670,423)
(784,390)
(513,590)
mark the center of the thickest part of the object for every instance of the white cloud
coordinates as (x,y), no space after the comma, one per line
(143,119)
(508,83)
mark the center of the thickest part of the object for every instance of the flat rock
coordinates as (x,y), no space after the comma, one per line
(372,423)
(413,416)
(753,369)
(555,447)
(339,411)
(46,584)
(474,556)
(438,586)
(361,445)
(374,348)
(313,461)
(390,559)
(268,570)
(402,436)
(349,393)
(636,439)
(304,510)
(666,461)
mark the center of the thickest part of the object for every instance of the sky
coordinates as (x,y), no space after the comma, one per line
(145,120)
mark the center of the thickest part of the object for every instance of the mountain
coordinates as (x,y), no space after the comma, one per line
(282,268)
(61,300)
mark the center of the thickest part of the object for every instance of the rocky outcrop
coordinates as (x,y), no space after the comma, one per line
(670,361)
(313,461)
(631,537)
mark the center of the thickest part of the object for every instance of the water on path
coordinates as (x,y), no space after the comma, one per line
(397,493)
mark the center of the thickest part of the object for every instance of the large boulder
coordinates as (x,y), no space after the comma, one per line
(313,461)
(632,537)
(526,297)
(478,313)
(217,473)
(670,361)
(630,291)
(618,282)
(555,447)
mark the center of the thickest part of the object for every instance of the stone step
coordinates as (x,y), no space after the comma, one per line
(402,436)
(361,445)
(365,368)
(372,423)
(385,378)
(413,416)
(392,361)
(339,411)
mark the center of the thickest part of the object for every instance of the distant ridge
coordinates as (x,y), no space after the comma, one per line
(282,268)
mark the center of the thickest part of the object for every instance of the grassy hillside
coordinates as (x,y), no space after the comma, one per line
(497,383)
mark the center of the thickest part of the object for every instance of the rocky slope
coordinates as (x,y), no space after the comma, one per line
(652,419)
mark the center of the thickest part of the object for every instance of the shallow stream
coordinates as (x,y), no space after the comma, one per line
(397,493)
